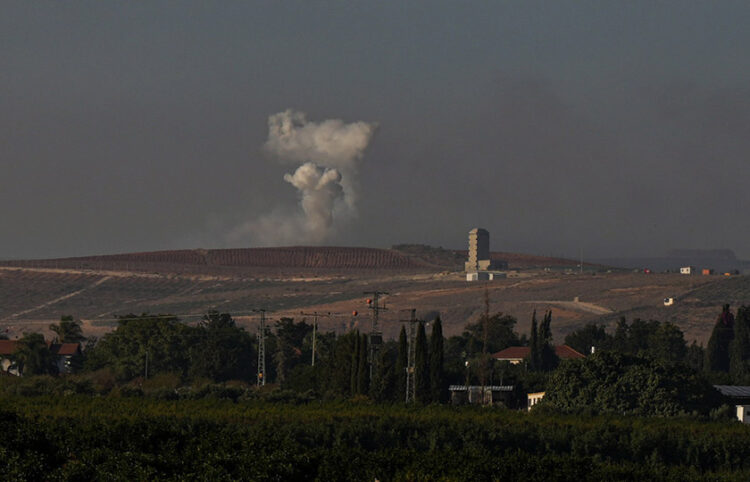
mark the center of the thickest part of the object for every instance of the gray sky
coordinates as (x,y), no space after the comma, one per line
(622,128)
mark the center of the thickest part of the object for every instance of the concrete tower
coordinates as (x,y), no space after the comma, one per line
(479,251)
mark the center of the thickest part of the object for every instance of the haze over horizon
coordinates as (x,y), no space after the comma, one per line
(619,129)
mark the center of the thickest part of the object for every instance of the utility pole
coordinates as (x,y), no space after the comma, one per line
(315,316)
(581,261)
(411,387)
(261,348)
(375,336)
(485,330)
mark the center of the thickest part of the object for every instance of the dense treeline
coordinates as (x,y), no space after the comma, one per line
(85,438)
(348,365)
(218,350)
(725,359)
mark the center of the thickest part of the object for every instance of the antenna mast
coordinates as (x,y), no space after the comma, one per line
(261,348)
(315,316)
(411,356)
(485,330)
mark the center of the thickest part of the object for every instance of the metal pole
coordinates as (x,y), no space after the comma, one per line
(262,349)
(411,388)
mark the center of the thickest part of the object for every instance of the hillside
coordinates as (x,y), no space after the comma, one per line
(205,260)
(287,281)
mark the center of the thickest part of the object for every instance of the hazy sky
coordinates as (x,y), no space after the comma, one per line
(619,128)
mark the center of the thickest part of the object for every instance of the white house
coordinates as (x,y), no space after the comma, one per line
(687,270)
(534,398)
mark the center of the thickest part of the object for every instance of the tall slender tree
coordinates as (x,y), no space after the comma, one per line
(363,381)
(402,359)
(717,349)
(739,348)
(437,372)
(421,366)
(535,361)
(382,387)
(355,364)
(547,356)
(341,368)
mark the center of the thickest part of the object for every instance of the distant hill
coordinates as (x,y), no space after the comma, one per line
(204,260)
(720,260)
(400,257)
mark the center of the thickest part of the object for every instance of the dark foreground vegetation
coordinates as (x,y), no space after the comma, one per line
(79,437)
(157,399)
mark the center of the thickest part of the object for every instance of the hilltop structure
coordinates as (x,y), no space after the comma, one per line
(479,251)
(480,264)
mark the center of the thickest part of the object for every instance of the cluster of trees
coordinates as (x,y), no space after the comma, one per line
(614,382)
(727,355)
(343,367)
(724,360)
(663,341)
(542,355)
(146,345)
(217,349)
(346,366)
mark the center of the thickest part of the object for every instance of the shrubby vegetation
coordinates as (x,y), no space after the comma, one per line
(217,350)
(122,438)
(612,382)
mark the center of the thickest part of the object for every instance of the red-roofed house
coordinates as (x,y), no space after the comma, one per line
(63,352)
(516,354)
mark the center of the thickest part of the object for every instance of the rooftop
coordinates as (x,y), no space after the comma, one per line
(564,352)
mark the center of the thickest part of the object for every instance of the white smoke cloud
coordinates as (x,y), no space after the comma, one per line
(331,143)
(326,180)
(319,188)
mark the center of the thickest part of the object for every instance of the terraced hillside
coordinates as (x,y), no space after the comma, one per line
(208,260)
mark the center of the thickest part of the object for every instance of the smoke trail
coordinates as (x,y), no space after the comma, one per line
(326,180)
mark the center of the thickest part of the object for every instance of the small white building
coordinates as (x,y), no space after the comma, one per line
(534,398)
(478,276)
(687,270)
(743,413)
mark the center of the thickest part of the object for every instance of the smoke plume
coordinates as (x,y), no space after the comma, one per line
(329,154)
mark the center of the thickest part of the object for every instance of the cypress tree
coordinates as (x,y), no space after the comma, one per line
(354,364)
(534,358)
(547,356)
(383,385)
(400,366)
(739,348)
(341,368)
(621,340)
(363,377)
(437,373)
(717,349)
(421,366)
